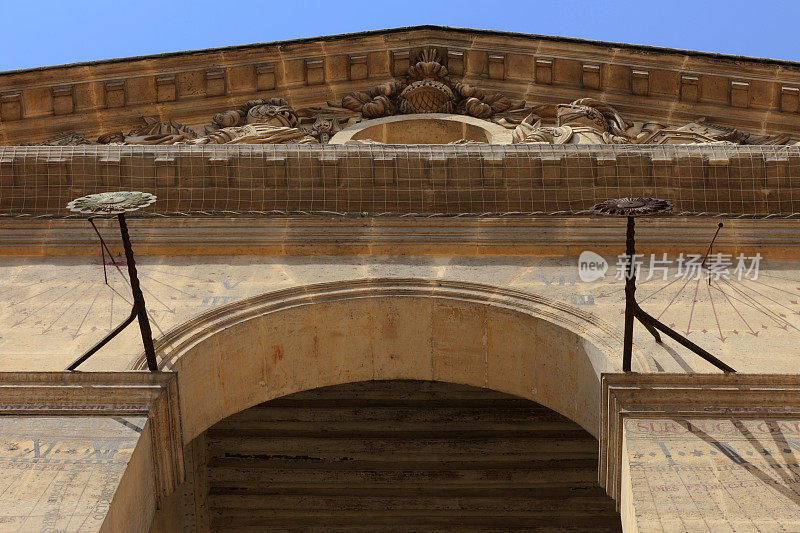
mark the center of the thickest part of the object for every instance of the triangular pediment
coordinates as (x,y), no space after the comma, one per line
(544,89)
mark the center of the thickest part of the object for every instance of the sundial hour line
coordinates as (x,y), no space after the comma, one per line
(14,304)
(49,302)
(150,277)
(754,304)
(790,293)
(168,308)
(659,290)
(674,298)
(80,324)
(77,298)
(759,294)
(694,301)
(714,309)
(736,310)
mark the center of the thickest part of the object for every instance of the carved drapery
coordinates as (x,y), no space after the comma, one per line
(590,121)
(150,133)
(270,121)
(67,138)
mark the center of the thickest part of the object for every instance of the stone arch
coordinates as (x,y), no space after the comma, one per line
(272,345)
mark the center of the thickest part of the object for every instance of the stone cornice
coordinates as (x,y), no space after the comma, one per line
(81,393)
(107,394)
(680,396)
(460,236)
(756,95)
(407,29)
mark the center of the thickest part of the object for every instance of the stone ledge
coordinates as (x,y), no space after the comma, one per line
(694,396)
(107,394)
(80,393)
(462,236)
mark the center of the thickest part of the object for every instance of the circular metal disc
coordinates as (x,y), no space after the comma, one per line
(111,203)
(632,207)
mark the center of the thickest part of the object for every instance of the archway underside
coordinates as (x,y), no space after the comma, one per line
(396,454)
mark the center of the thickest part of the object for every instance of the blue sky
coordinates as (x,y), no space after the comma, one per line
(47,32)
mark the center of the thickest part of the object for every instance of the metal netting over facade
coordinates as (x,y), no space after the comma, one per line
(471,179)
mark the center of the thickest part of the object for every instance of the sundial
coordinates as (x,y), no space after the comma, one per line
(83,296)
(760,306)
(119,203)
(632,208)
(716,298)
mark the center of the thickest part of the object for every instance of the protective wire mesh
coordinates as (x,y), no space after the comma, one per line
(427,180)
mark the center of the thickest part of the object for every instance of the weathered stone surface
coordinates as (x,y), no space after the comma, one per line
(711,474)
(61,473)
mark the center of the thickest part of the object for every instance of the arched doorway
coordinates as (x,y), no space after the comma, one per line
(305,338)
(411,455)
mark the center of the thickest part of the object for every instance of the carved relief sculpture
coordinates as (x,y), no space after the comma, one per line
(68,138)
(590,121)
(426,88)
(150,133)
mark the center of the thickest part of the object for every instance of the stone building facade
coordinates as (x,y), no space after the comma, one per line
(379,297)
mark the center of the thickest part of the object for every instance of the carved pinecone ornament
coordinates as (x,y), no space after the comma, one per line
(426,89)
(427,96)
